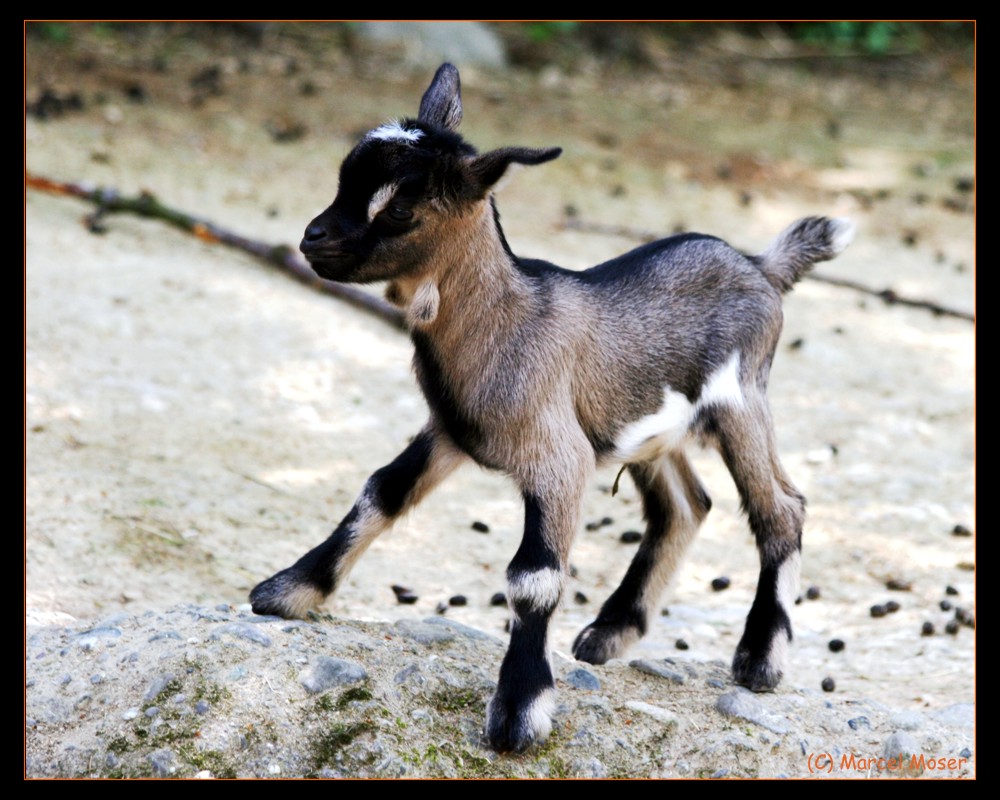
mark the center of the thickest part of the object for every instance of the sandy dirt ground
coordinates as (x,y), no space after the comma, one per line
(196,421)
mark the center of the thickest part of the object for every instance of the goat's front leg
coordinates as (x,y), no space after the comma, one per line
(520,711)
(388,493)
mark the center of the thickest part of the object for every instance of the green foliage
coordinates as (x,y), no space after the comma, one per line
(877,37)
(872,37)
(354,694)
(59,32)
(544,31)
(451,700)
(339,736)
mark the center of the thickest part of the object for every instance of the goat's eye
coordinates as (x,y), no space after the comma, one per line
(399,213)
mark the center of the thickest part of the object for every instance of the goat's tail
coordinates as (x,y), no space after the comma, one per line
(802,244)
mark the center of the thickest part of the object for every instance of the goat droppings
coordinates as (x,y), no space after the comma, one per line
(403,595)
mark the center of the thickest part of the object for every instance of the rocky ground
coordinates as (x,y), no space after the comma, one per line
(195,421)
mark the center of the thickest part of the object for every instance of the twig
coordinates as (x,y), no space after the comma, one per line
(282,256)
(888,295)
(259,482)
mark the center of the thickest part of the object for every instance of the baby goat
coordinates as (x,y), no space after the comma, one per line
(542,373)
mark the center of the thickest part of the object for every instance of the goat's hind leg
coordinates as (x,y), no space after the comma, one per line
(776,511)
(388,493)
(674,504)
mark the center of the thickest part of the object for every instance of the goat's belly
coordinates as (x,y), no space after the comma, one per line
(666,429)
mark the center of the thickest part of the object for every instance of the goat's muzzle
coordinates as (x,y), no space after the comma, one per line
(327,256)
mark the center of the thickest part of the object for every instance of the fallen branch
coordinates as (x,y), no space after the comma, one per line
(282,256)
(889,296)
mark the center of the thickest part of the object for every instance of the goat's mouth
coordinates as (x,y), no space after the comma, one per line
(334,266)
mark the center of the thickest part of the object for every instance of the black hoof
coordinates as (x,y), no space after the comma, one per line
(287,594)
(597,644)
(514,727)
(757,673)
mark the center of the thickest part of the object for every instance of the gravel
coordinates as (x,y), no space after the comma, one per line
(407,700)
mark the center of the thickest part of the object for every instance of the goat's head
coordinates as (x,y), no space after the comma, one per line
(401,188)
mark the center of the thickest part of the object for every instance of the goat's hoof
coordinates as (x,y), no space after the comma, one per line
(599,643)
(512,726)
(757,673)
(287,594)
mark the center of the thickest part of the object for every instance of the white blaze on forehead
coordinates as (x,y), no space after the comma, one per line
(394,131)
(382,197)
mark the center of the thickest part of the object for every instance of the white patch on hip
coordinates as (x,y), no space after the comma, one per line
(643,439)
(394,131)
(723,385)
(382,197)
(666,429)
(540,588)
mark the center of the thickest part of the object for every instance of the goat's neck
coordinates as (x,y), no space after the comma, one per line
(471,286)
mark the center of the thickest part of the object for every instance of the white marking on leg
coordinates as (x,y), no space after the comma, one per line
(539,714)
(394,131)
(382,197)
(723,385)
(301,598)
(777,657)
(366,527)
(684,525)
(787,590)
(788,581)
(541,589)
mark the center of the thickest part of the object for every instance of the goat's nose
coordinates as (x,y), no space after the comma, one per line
(315,233)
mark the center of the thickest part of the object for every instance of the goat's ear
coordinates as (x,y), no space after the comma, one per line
(490,167)
(442,102)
